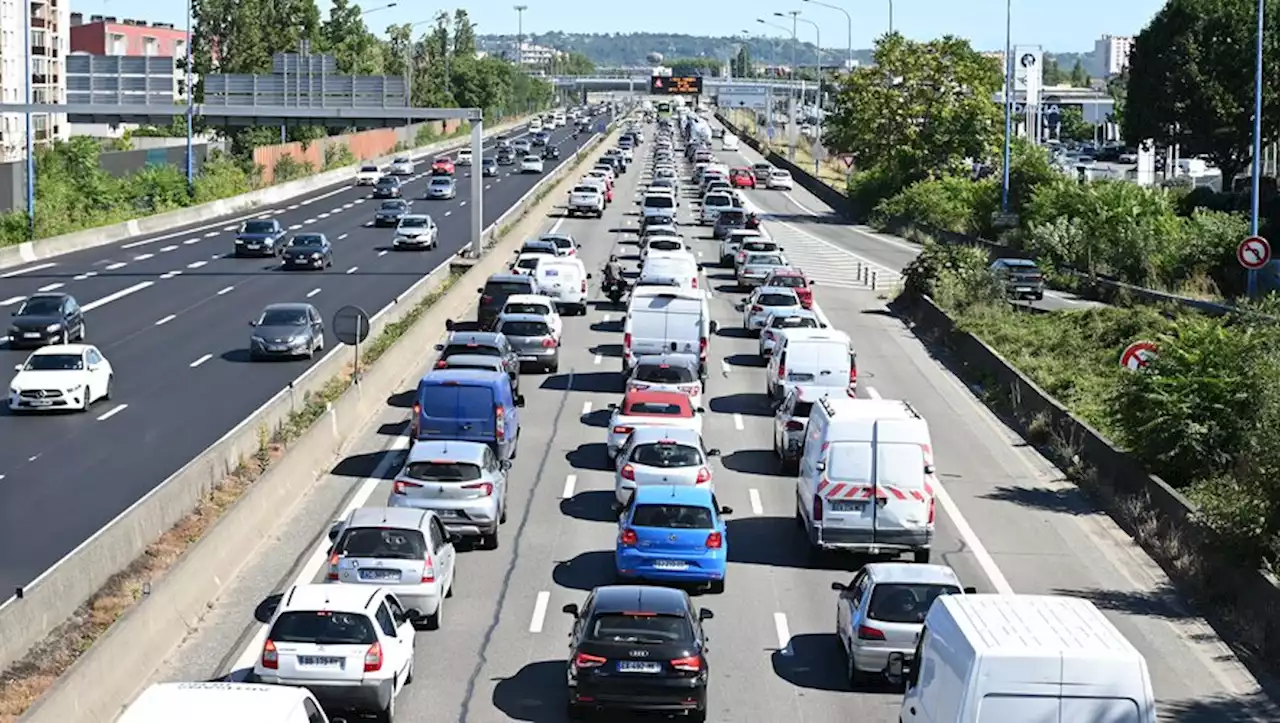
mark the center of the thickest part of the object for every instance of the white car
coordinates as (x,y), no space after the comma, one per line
(780,180)
(731,245)
(657,242)
(650,409)
(464,157)
(368,175)
(667,373)
(345,644)
(401,166)
(782,319)
(531,164)
(729,142)
(766,300)
(538,304)
(586,200)
(712,205)
(416,230)
(61,376)
(522,145)
(527,262)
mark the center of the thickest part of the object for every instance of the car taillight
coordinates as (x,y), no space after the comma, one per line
(549,343)
(621,430)
(768,335)
(582,660)
(817,508)
(441,364)
(428,569)
(584,281)
(486,299)
(628,473)
(637,387)
(270,658)
(714,541)
(692,390)
(782,371)
(693,283)
(626,341)
(756,308)
(704,475)
(485,487)
(931,510)
(499,423)
(794,426)
(691,664)
(869,633)
(628,538)
(400,487)
(334,559)
(853,378)
(702,347)
(373,658)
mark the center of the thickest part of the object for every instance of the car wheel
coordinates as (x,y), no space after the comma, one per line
(921,556)
(388,714)
(409,678)
(855,676)
(320,343)
(434,620)
(81,334)
(502,519)
(489,541)
(574,711)
(716,587)
(64,337)
(553,367)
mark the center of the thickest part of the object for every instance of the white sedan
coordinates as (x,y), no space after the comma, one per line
(61,376)
(538,304)
(531,164)
(464,157)
(780,181)
(368,175)
(650,409)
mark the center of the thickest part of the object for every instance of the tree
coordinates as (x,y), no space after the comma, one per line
(399,49)
(1073,127)
(1050,73)
(694,66)
(575,64)
(742,66)
(464,35)
(1117,88)
(920,110)
(345,36)
(1079,78)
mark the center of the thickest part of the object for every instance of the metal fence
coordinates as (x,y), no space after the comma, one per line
(121,79)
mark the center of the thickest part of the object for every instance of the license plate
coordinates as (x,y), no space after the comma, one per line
(846,506)
(379,574)
(31,334)
(528,358)
(277,347)
(635,666)
(320,661)
(40,402)
(670,565)
(447,513)
(255,246)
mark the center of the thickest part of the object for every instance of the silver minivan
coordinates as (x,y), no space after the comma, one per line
(464,483)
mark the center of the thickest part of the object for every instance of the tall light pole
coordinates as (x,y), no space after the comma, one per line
(848,19)
(28,66)
(817,169)
(890,17)
(791,100)
(408,61)
(1254,185)
(791,106)
(191,165)
(1008,102)
(520,35)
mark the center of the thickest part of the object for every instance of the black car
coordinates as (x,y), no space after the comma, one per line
(489,167)
(387,187)
(727,221)
(506,157)
(638,648)
(260,238)
(46,319)
(308,251)
(494,293)
(1020,278)
(541,138)
(551,153)
(389,213)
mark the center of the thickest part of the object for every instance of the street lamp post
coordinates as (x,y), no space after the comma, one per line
(1255,181)
(791,122)
(848,19)
(791,100)
(817,139)
(890,17)
(520,35)
(408,62)
(768,88)
(1008,102)
(191,166)
(28,66)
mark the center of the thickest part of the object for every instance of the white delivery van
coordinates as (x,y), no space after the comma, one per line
(222,702)
(563,279)
(813,358)
(1004,658)
(867,478)
(680,267)
(666,320)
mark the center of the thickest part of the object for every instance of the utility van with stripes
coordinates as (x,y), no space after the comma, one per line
(867,478)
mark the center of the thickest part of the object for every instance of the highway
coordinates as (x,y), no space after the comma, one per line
(171,312)
(1007,522)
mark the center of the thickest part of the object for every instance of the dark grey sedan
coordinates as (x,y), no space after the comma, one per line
(286,331)
(390,212)
(442,188)
(1021,278)
(533,340)
(308,251)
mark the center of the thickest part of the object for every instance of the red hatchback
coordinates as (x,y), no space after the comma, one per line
(442,167)
(742,178)
(794,279)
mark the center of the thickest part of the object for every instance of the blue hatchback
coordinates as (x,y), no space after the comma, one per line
(673,534)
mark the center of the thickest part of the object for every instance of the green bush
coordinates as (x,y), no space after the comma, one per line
(338,155)
(868,187)
(952,204)
(288,168)
(426,135)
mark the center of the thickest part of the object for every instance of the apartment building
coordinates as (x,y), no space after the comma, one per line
(537,55)
(48,22)
(1112,53)
(105,35)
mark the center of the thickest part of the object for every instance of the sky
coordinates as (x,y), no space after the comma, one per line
(1056,26)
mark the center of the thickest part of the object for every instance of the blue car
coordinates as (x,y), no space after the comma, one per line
(673,534)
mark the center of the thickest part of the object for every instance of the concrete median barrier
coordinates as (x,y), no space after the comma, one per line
(109,674)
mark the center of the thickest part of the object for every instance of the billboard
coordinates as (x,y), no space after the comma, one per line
(743,96)
(676,85)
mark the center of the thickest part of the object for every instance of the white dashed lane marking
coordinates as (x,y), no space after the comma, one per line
(50,287)
(143,257)
(200,361)
(352,270)
(113,412)
(191,241)
(116,265)
(227,290)
(342,236)
(196,264)
(211,234)
(166,320)
(312,293)
(167,249)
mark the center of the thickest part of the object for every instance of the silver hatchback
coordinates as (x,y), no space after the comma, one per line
(533,338)
(662,456)
(464,483)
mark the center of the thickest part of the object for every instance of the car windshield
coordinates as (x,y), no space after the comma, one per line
(54,363)
(388,543)
(41,307)
(283,317)
(659,200)
(640,628)
(470,348)
(727,217)
(790,282)
(323,628)
(388,181)
(411,222)
(679,517)
(667,455)
(758,246)
(525,328)
(585,189)
(794,322)
(259,226)
(368,169)
(529,262)
(393,206)
(307,241)
(776,300)
(442,181)
(902,603)
(402,160)
(506,288)
(664,374)
(524,307)
(442,471)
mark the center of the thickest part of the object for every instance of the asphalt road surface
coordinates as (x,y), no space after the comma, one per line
(171,312)
(1007,522)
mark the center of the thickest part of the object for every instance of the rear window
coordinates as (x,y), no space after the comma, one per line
(664,374)
(718,201)
(658,201)
(803,410)
(528,262)
(641,629)
(794,322)
(585,189)
(655,409)
(901,603)
(563,243)
(765,260)
(481,349)
(732,216)
(442,471)
(368,169)
(461,401)
(525,328)
(526,308)
(776,300)
(323,628)
(758,246)
(665,244)
(507,288)
(789,282)
(383,542)
(666,455)
(678,517)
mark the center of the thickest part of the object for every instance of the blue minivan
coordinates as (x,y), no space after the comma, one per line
(470,405)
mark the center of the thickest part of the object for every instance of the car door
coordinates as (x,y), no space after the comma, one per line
(317,326)
(404,633)
(781,418)
(497,472)
(443,550)
(848,608)
(99,372)
(394,647)
(72,316)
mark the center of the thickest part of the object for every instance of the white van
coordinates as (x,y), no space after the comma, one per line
(666,320)
(222,702)
(867,478)
(564,279)
(535,125)
(729,142)
(812,358)
(658,204)
(1004,658)
(679,267)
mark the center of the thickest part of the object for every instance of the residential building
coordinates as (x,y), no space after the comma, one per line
(104,35)
(49,21)
(537,55)
(1112,53)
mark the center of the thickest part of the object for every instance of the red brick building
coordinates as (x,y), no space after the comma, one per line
(113,36)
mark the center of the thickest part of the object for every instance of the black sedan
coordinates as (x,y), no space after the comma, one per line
(46,318)
(389,213)
(308,251)
(551,153)
(387,187)
(638,648)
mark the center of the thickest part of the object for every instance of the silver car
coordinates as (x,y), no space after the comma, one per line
(401,166)
(882,611)
(286,331)
(401,550)
(667,373)
(416,231)
(662,456)
(780,319)
(753,271)
(533,338)
(464,483)
(766,300)
(790,420)
(442,188)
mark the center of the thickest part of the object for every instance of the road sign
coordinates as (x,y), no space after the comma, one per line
(847,159)
(1138,355)
(772,132)
(1254,253)
(351,325)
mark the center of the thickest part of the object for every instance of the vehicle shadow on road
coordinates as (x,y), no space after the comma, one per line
(593,506)
(750,361)
(403,399)
(754,461)
(535,693)
(751,405)
(586,572)
(777,542)
(591,456)
(1220,709)
(811,661)
(734,332)
(1066,501)
(1160,603)
(267,608)
(608,327)
(594,382)
(613,351)
(363,466)
(598,419)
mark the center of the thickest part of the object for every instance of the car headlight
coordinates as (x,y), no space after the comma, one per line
(316,255)
(298,339)
(53,327)
(257,339)
(13,391)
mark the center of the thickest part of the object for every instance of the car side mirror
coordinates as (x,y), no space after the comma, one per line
(439,347)
(705,614)
(929,469)
(480,290)
(448,324)
(570,609)
(839,586)
(812,282)
(613,406)
(714,451)
(253,323)
(588,276)
(894,670)
(715,326)
(726,510)
(519,400)
(701,410)
(504,465)
(17,367)
(820,466)
(13,313)
(971,591)
(334,530)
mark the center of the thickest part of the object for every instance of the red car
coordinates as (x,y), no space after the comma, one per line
(794,279)
(442,167)
(742,178)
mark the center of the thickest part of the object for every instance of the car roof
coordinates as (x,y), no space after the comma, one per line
(447,449)
(520,316)
(505,278)
(209,701)
(530,299)
(1017,262)
(49,295)
(439,377)
(553,237)
(479,338)
(680,435)
(912,572)
(287,306)
(459,359)
(672,360)
(423,216)
(639,598)
(408,518)
(699,496)
(318,596)
(786,271)
(778,290)
(60,349)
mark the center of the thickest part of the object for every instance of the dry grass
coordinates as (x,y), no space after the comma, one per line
(832,170)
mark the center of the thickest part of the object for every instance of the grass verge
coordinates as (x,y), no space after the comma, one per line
(832,171)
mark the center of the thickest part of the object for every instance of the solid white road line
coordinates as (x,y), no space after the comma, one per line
(737,422)
(539,611)
(200,361)
(586,408)
(569,483)
(12,300)
(50,287)
(784,633)
(757,507)
(871,392)
(27,270)
(116,265)
(113,412)
(312,293)
(116,296)
(227,290)
(166,320)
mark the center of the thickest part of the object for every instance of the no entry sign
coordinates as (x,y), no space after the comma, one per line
(1254,253)
(1138,355)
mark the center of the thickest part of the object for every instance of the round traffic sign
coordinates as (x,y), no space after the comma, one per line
(351,325)
(1253,253)
(1138,355)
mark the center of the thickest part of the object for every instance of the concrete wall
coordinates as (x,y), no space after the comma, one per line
(364,145)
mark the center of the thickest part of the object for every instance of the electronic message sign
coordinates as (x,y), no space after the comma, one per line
(675,85)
